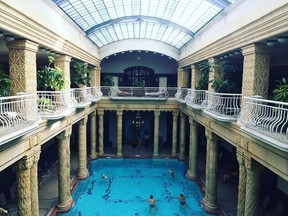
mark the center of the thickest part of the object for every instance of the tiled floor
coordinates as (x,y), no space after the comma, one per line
(227,193)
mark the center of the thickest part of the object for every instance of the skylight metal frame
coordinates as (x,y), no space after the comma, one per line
(174,22)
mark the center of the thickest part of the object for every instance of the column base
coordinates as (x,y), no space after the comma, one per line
(119,154)
(155,155)
(83,175)
(93,157)
(208,207)
(66,206)
(191,176)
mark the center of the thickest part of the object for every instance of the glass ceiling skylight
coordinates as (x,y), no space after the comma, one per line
(174,22)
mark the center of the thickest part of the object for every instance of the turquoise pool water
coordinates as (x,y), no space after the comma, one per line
(129,184)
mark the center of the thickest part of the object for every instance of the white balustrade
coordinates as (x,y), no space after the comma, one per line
(197,99)
(55,104)
(82,96)
(18,114)
(96,93)
(266,119)
(223,106)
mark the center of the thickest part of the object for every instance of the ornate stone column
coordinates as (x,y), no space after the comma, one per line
(252,187)
(213,73)
(174,133)
(256,68)
(101,131)
(156,133)
(242,184)
(183,76)
(93,154)
(22,66)
(63,62)
(195,73)
(34,182)
(82,171)
(23,177)
(209,201)
(192,171)
(65,200)
(119,132)
(182,137)
(95,76)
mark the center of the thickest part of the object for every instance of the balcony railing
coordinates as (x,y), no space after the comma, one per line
(181,94)
(197,99)
(223,106)
(83,97)
(55,104)
(266,120)
(18,115)
(96,93)
(138,93)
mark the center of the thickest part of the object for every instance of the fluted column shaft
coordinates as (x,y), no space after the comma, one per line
(64,197)
(82,171)
(174,133)
(93,154)
(23,176)
(192,172)
(195,74)
(22,66)
(252,187)
(241,185)
(34,183)
(156,133)
(119,132)
(182,137)
(63,62)
(101,131)
(209,201)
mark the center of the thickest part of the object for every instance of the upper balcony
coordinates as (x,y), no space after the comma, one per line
(18,116)
(56,104)
(266,120)
(223,106)
(181,94)
(83,97)
(139,93)
(197,99)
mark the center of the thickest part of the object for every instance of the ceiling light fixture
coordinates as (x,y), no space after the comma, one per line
(9,37)
(283,39)
(271,43)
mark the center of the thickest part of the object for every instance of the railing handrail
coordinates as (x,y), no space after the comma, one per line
(58,91)
(18,96)
(265,100)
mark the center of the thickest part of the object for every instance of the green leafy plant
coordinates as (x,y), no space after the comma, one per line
(79,74)
(50,77)
(108,81)
(5,82)
(224,81)
(204,68)
(281,91)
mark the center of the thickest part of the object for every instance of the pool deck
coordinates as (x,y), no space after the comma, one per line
(227,193)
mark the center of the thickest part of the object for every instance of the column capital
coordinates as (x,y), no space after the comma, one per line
(22,44)
(156,112)
(100,112)
(36,154)
(256,49)
(175,113)
(63,58)
(83,121)
(194,67)
(210,135)
(119,112)
(93,114)
(26,162)
(213,60)
(192,122)
(66,133)
(179,70)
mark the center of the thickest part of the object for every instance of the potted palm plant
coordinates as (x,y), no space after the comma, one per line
(281,91)
(79,75)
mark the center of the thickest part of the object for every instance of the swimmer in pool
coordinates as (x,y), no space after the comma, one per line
(104,176)
(152,204)
(171,173)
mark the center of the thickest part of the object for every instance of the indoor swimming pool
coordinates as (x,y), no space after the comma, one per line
(126,185)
